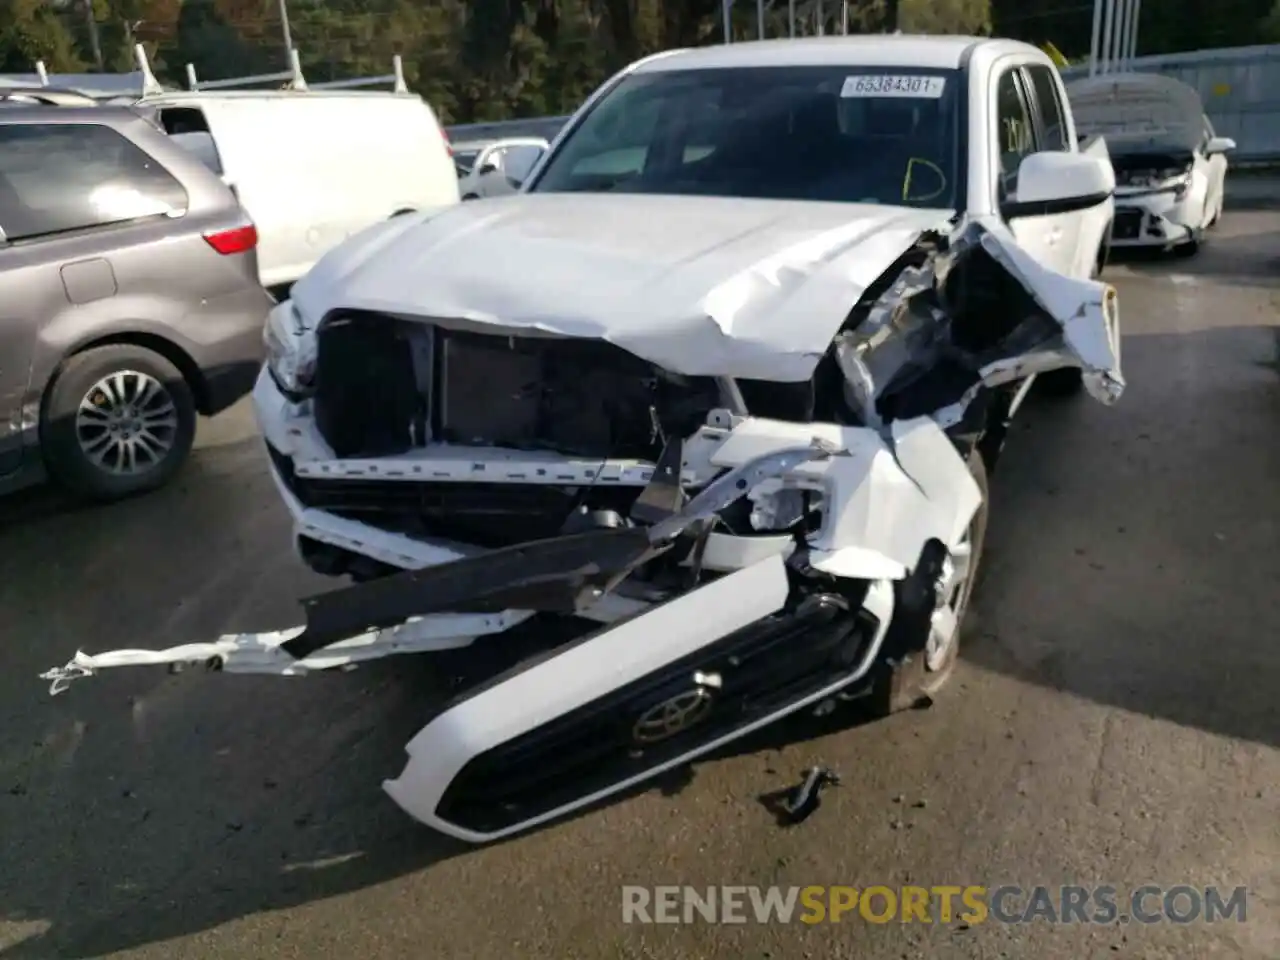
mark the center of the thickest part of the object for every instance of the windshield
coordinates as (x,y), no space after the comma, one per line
(801,133)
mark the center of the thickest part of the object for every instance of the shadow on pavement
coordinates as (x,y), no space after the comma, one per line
(1240,260)
(1157,520)
(139,807)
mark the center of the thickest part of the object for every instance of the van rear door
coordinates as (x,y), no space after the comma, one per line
(262,152)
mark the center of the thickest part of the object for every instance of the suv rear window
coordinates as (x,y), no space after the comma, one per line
(56,178)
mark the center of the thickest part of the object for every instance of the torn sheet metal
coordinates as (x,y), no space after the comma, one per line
(1080,328)
(432,609)
(907,331)
(701,286)
(265,653)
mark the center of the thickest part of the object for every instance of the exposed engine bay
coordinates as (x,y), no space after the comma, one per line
(1149,169)
(636,565)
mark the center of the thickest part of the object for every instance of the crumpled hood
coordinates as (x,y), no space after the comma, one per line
(704,286)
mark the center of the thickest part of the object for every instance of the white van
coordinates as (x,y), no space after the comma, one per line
(313,167)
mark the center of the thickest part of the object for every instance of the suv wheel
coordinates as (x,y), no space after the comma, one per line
(118,420)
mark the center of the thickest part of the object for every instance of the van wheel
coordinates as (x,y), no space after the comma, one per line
(118,420)
(472,196)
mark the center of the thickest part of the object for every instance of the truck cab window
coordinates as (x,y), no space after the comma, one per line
(1013,130)
(1049,101)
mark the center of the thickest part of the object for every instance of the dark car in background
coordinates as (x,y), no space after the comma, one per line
(129,297)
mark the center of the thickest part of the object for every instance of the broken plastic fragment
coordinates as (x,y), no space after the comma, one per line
(735,485)
(805,798)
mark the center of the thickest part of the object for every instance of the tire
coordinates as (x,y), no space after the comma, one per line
(160,436)
(472,196)
(912,680)
(1188,249)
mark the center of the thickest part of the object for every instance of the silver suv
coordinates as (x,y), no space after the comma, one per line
(129,297)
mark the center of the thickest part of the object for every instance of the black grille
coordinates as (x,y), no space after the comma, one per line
(383,386)
(764,667)
(1128,224)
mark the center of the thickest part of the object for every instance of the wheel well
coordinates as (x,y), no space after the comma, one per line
(166,348)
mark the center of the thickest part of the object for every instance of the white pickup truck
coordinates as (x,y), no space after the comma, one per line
(694,432)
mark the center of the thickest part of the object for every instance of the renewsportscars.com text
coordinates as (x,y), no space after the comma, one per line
(1180,904)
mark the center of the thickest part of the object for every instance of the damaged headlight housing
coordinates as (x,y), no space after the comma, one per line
(290,353)
(776,508)
(1176,180)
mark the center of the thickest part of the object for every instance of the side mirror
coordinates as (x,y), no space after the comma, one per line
(489,166)
(1054,182)
(1217,145)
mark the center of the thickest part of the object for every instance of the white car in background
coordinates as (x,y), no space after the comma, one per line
(1170,166)
(497,168)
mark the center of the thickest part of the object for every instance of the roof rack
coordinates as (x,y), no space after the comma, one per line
(46,96)
(293,78)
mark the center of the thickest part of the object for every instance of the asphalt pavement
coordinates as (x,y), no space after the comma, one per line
(1115,719)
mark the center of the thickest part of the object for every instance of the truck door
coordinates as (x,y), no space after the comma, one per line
(1051,239)
(1053,132)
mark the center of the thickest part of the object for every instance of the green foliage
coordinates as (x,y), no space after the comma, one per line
(32,30)
(1270,26)
(494,59)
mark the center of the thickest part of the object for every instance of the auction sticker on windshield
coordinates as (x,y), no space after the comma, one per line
(894,85)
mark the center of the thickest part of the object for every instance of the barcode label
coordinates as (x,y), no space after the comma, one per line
(898,85)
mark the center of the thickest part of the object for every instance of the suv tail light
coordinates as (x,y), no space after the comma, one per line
(236,240)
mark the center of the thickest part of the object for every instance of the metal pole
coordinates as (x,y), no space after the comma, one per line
(95,44)
(791,17)
(1106,36)
(822,21)
(284,29)
(760,18)
(1133,31)
(1097,36)
(844,18)
(724,11)
(1122,34)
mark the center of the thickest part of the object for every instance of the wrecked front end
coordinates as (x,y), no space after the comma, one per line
(672,560)
(1161,198)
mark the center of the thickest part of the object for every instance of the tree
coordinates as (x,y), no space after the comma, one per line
(945,16)
(1270,27)
(32,30)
